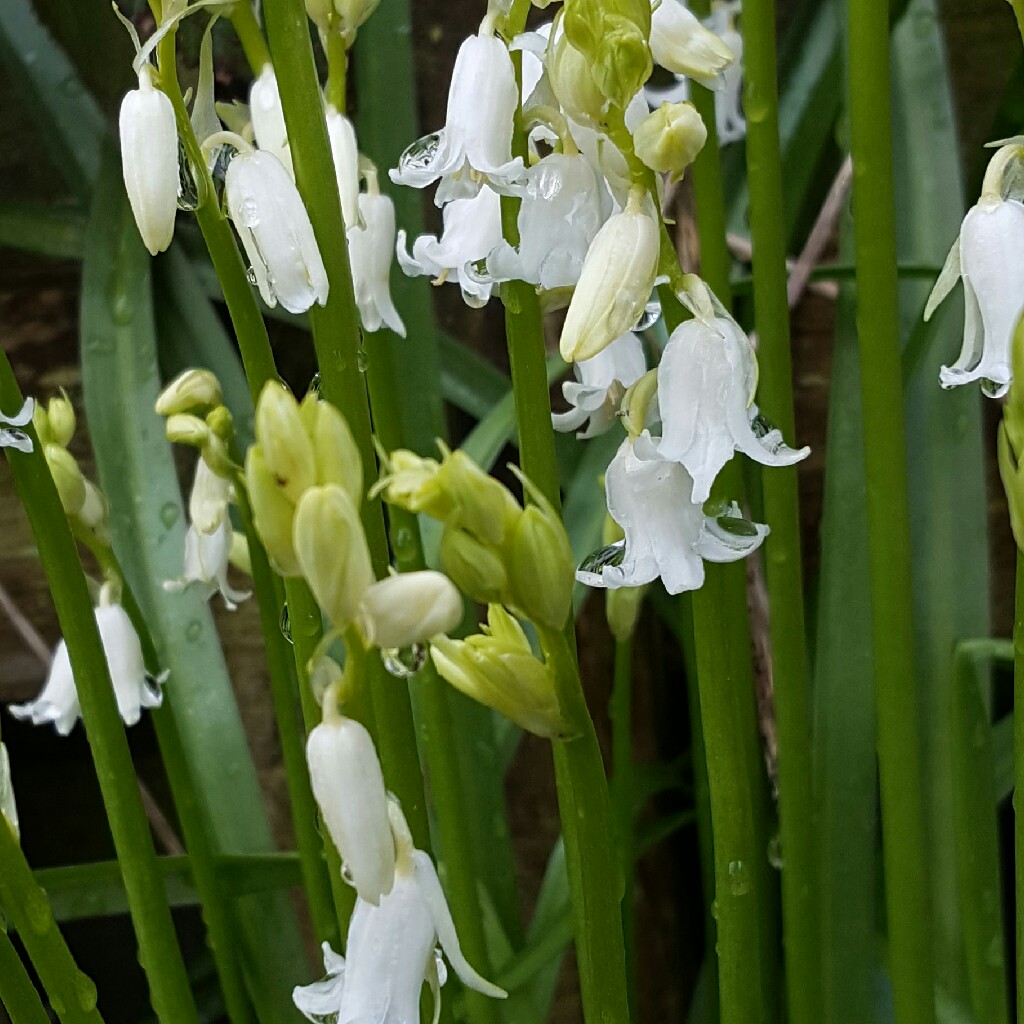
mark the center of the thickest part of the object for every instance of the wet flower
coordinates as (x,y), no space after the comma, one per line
(408,608)
(149,159)
(371,249)
(345,153)
(706,382)
(667,533)
(600,384)
(680,43)
(134,688)
(475,145)
(267,115)
(16,438)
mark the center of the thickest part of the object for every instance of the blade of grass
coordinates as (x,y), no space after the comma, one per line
(17,993)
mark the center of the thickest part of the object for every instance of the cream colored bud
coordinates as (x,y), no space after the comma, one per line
(331,549)
(572,83)
(273,514)
(481,505)
(409,608)
(41,422)
(67,477)
(61,416)
(94,510)
(287,449)
(221,422)
(190,391)
(477,568)
(337,457)
(541,570)
(668,139)
(183,428)
(622,609)
(415,484)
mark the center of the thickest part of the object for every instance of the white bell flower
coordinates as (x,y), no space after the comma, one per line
(8,808)
(392,951)
(667,533)
(149,161)
(706,382)
(475,145)
(134,688)
(16,438)
(275,230)
(600,385)
(680,43)
(989,256)
(371,249)
(345,153)
(267,115)
(346,779)
(472,228)
(564,207)
(408,608)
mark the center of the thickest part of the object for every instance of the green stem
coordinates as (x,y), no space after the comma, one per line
(17,993)
(336,336)
(158,945)
(72,995)
(337,71)
(801,903)
(243,20)
(1018,771)
(903,834)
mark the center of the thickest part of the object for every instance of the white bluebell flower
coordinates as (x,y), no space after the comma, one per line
(10,437)
(371,250)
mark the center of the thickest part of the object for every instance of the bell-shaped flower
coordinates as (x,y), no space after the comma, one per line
(272,223)
(134,688)
(10,436)
(371,250)
(989,256)
(391,950)
(565,204)
(149,160)
(680,43)
(408,608)
(472,228)
(267,115)
(346,779)
(475,145)
(706,382)
(615,284)
(600,384)
(667,533)
(345,154)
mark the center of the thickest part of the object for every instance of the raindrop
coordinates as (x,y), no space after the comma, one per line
(169,514)
(58,1005)
(250,276)
(476,271)
(346,875)
(403,543)
(736,526)
(285,622)
(420,154)
(649,317)
(403,662)
(314,385)
(193,631)
(86,992)
(714,909)
(37,908)
(120,303)
(440,966)
(248,214)
(188,188)
(362,357)
(608,556)
(739,883)
(775,851)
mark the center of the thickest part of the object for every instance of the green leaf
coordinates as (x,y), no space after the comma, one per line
(59,233)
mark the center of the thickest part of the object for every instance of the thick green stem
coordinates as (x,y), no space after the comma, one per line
(337,71)
(17,993)
(903,835)
(158,945)
(1018,772)
(801,903)
(72,995)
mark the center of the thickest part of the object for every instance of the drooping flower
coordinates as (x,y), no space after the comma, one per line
(345,154)
(706,382)
(392,950)
(371,249)
(600,384)
(475,145)
(667,533)
(680,43)
(408,608)
(989,257)
(472,229)
(13,438)
(149,160)
(134,688)
(272,223)
(267,115)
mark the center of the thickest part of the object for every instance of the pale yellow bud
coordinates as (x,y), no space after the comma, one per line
(221,422)
(668,139)
(67,477)
(622,609)
(477,568)
(287,449)
(61,416)
(413,483)
(334,448)
(481,505)
(94,510)
(41,422)
(184,428)
(190,391)
(272,513)
(572,82)
(331,549)
(541,568)
(409,608)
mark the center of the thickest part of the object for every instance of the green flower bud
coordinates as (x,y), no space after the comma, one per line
(477,568)
(622,609)
(409,608)
(668,139)
(332,551)
(272,513)
(413,483)
(186,429)
(60,414)
(191,391)
(498,669)
(287,449)
(67,477)
(94,511)
(541,567)
(481,505)
(341,16)
(221,423)
(41,422)
(572,83)
(1013,481)
(337,457)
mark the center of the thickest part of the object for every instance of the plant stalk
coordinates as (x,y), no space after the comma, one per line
(623,797)
(17,993)
(1018,772)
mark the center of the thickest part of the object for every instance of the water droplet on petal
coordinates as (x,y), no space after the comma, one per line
(188,188)
(650,316)
(346,876)
(403,662)
(611,555)
(440,965)
(314,384)
(250,276)
(248,212)
(420,154)
(285,622)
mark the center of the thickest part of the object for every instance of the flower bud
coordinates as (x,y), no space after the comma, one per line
(221,423)
(409,608)
(345,154)
(668,139)
(612,36)
(482,505)
(191,391)
(680,43)
(183,428)
(477,568)
(287,449)
(615,283)
(149,156)
(41,423)
(273,514)
(267,115)
(334,448)
(345,775)
(1012,476)
(341,16)
(67,477)
(622,609)
(572,83)
(94,510)
(541,569)
(331,549)
(415,484)
(60,414)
